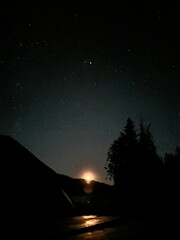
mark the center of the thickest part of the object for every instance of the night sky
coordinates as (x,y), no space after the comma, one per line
(72,72)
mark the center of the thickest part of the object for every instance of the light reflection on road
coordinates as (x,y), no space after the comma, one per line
(90,220)
(86,221)
(86,228)
(77,223)
(133,229)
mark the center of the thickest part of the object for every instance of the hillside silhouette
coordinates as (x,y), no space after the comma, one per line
(93,198)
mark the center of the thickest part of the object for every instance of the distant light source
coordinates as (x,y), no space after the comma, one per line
(88,176)
(88,179)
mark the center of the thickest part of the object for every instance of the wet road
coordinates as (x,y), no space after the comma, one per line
(78,225)
(106,227)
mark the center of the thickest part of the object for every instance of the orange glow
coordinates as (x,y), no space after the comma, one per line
(88,176)
(90,220)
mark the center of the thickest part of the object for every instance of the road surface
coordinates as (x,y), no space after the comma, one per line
(94,227)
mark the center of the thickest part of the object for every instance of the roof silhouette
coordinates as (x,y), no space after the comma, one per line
(29,187)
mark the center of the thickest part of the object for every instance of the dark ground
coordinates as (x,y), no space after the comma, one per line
(112,228)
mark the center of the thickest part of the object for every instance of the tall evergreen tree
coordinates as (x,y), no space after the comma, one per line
(147,148)
(151,175)
(134,165)
(121,154)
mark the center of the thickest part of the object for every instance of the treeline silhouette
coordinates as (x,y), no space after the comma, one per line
(146,183)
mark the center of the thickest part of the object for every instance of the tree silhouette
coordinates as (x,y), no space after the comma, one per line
(136,168)
(151,180)
(149,159)
(121,154)
(172,181)
(146,143)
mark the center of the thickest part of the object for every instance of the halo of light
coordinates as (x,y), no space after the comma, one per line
(88,176)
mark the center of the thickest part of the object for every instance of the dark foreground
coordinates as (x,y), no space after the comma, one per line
(106,227)
(33,196)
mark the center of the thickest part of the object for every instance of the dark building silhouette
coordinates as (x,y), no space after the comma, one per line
(30,192)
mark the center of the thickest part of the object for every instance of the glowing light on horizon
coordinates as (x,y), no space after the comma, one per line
(88,176)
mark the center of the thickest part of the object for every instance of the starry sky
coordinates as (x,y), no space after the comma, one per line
(72,72)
